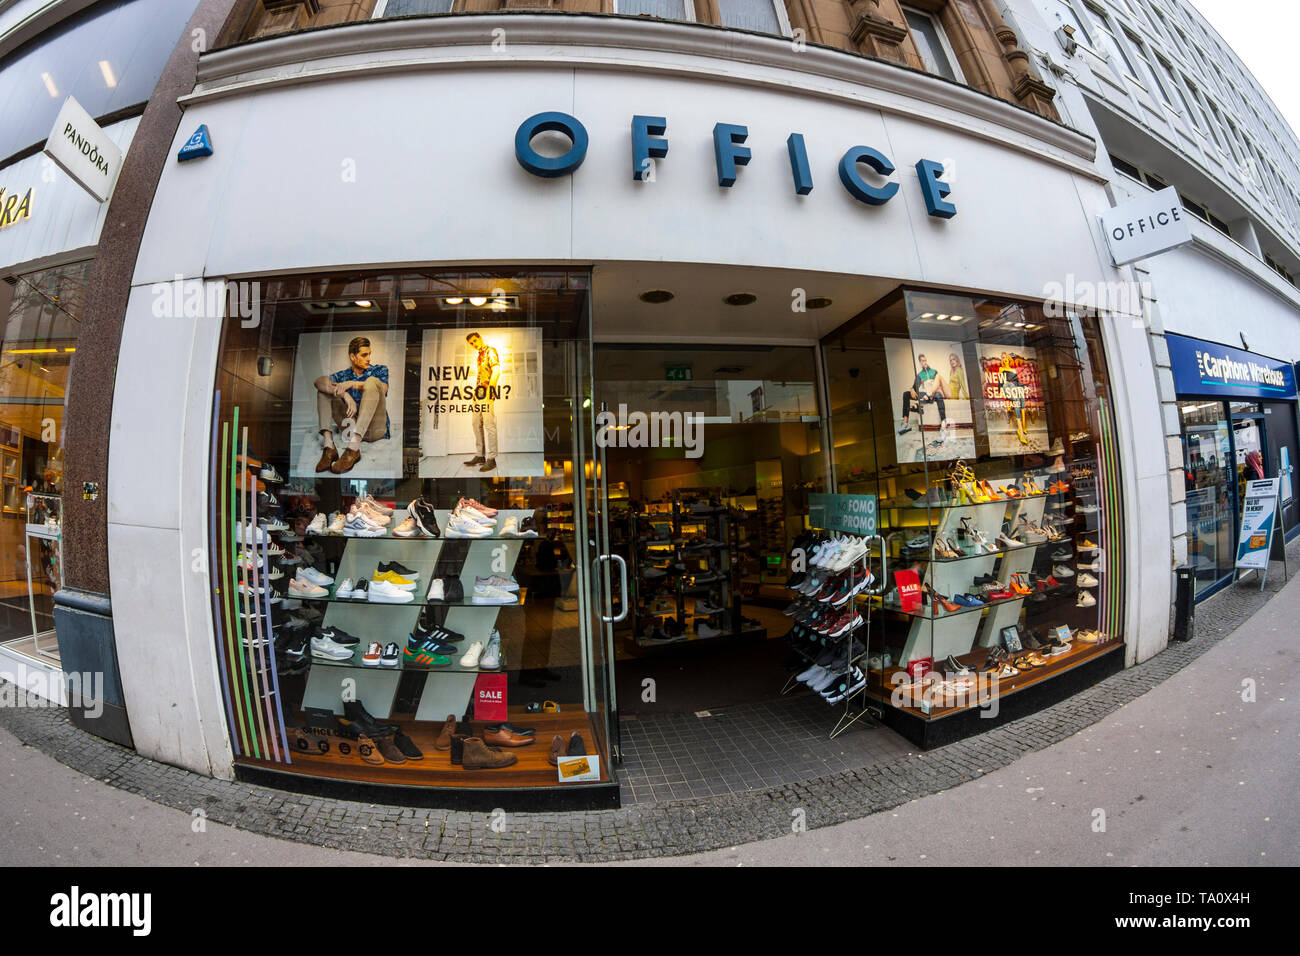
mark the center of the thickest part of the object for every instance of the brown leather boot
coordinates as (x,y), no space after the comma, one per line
(479,756)
(444,738)
(500,737)
(388,747)
(558,749)
(347,461)
(327,458)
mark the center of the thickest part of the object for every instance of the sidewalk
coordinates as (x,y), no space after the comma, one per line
(1185,771)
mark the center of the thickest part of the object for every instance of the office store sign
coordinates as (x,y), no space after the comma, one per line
(649,143)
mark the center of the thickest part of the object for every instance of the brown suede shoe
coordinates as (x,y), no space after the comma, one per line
(576,746)
(489,465)
(505,738)
(479,756)
(327,458)
(444,738)
(558,749)
(347,461)
(388,747)
(365,748)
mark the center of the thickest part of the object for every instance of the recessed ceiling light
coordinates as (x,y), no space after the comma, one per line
(656,296)
(408,304)
(453,300)
(927,315)
(820,302)
(741,298)
(941,317)
(364,303)
(477,300)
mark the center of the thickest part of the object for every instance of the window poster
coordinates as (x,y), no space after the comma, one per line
(347,405)
(481,403)
(931,390)
(1015,412)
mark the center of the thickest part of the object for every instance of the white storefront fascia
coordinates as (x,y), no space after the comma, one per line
(64,221)
(381,152)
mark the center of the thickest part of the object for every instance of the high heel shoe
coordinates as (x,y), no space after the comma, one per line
(937,598)
(990,492)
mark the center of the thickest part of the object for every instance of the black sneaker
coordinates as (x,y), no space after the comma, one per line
(422,513)
(431,645)
(360,590)
(340,636)
(398,568)
(528,524)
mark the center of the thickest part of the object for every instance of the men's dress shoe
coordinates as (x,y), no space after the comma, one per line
(491,465)
(476,755)
(407,746)
(576,747)
(457,749)
(327,458)
(347,461)
(558,749)
(505,738)
(476,460)
(356,719)
(524,731)
(448,731)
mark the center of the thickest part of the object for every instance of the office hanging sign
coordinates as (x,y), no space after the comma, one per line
(1206,368)
(731,151)
(1146,226)
(82,150)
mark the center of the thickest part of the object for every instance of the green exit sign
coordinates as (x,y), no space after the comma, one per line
(677,373)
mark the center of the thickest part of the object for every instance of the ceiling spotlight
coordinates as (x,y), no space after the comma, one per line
(364,303)
(741,298)
(478,300)
(453,300)
(408,304)
(656,296)
(927,315)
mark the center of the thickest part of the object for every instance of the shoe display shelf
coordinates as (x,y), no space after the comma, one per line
(937,634)
(447,690)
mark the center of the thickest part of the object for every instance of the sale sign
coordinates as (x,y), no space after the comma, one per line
(909,590)
(490,697)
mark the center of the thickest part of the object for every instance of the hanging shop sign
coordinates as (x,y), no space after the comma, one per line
(1259,515)
(1206,368)
(1146,226)
(730,152)
(14,206)
(82,150)
(853,514)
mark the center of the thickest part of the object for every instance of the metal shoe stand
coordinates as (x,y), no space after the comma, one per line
(855,705)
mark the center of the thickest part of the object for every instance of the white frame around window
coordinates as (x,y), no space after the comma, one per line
(782,19)
(948,51)
(688,11)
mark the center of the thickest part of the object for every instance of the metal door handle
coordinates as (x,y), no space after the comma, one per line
(622,576)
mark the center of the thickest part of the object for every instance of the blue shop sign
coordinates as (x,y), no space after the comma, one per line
(1207,368)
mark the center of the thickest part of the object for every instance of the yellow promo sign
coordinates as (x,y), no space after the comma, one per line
(14,207)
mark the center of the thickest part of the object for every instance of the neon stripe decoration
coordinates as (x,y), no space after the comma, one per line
(213,566)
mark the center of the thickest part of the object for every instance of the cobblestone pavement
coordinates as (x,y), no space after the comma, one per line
(643,830)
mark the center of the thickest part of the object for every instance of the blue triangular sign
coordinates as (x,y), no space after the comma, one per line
(200,144)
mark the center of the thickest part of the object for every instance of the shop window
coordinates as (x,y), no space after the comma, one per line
(401,577)
(982,429)
(42,312)
(410,8)
(932,45)
(1210,476)
(760,16)
(109,57)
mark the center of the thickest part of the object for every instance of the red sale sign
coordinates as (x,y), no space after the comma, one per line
(909,590)
(490,697)
(920,667)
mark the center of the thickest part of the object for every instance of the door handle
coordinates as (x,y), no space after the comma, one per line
(622,588)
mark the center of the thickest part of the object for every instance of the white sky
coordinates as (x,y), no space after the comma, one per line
(1262,34)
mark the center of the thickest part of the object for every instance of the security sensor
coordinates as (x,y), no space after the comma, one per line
(264,365)
(1065,36)
(1244,344)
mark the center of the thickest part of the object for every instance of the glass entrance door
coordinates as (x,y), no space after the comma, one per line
(1211,492)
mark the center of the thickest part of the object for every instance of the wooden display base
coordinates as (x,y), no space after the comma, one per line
(435,773)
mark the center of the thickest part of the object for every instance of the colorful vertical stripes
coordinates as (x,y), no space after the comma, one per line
(242,615)
(1111,509)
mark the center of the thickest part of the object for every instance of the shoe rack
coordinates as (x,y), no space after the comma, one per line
(446,690)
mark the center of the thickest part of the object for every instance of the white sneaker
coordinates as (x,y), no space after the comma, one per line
(268,473)
(1086,580)
(497,581)
(436,592)
(1090,566)
(251,535)
(491,660)
(381,592)
(275,574)
(247,561)
(323,647)
(510,529)
(359,526)
(337,522)
(1085,599)
(458,527)
(465,511)
(1062,571)
(487,595)
(315,577)
(473,655)
(318,525)
(344,590)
